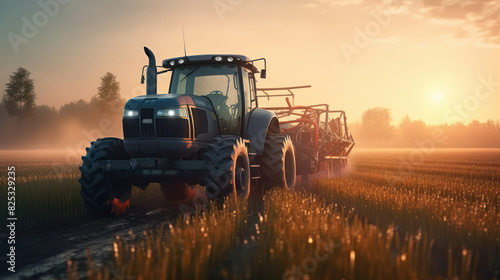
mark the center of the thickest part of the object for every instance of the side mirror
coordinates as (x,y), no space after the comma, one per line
(263,74)
(142,74)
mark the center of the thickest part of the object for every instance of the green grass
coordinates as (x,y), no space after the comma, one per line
(49,192)
(189,250)
(389,218)
(302,236)
(43,194)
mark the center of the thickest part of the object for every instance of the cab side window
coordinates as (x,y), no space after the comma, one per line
(247,89)
(253,93)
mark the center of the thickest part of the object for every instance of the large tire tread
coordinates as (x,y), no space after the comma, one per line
(272,162)
(96,185)
(220,162)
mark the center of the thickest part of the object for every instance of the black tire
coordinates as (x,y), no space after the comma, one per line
(175,191)
(277,163)
(228,168)
(102,191)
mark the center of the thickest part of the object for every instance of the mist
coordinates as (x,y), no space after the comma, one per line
(78,123)
(72,127)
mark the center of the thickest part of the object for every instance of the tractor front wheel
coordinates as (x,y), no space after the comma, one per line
(102,192)
(228,168)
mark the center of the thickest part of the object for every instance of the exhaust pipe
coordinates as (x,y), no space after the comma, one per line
(151,73)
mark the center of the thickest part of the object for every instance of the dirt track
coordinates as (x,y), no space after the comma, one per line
(42,252)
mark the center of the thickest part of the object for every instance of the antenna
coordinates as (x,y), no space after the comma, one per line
(184,39)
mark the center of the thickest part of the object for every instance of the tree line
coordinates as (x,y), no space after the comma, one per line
(23,124)
(377,129)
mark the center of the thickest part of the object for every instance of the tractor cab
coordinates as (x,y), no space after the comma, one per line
(227,81)
(209,95)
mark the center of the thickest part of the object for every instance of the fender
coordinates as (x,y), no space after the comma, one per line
(260,123)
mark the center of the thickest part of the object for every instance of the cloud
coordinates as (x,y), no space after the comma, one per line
(337,3)
(332,3)
(478,20)
(456,38)
(311,5)
(395,6)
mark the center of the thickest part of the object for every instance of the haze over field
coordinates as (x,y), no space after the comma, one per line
(211,191)
(431,60)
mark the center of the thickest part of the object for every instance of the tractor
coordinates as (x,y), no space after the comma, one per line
(208,130)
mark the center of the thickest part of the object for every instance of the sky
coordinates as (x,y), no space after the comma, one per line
(433,60)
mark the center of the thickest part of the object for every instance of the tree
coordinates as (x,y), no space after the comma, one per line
(109,91)
(19,98)
(410,131)
(376,125)
(75,109)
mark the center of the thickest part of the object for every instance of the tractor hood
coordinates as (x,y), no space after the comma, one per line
(168,101)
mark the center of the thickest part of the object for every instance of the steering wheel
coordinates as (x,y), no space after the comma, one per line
(222,110)
(217,97)
(216,92)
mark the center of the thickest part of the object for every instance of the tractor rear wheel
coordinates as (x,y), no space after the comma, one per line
(228,168)
(277,164)
(175,192)
(102,192)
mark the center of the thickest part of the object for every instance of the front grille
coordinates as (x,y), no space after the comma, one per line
(147,129)
(155,127)
(172,127)
(131,128)
(200,121)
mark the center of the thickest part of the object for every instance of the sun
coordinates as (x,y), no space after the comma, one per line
(438,96)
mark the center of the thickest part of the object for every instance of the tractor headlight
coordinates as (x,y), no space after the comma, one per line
(130,113)
(173,112)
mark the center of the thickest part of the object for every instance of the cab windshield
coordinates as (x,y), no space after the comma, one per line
(219,83)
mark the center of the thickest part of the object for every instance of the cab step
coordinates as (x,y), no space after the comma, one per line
(255,171)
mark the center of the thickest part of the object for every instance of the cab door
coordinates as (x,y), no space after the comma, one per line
(249,100)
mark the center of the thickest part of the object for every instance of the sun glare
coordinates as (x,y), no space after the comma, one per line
(438,96)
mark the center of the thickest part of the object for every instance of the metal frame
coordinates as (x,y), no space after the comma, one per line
(317,117)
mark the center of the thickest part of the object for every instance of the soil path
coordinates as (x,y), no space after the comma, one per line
(42,252)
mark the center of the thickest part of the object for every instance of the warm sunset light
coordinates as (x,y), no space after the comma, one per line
(250,139)
(438,96)
(367,51)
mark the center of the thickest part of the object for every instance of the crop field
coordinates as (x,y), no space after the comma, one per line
(396,214)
